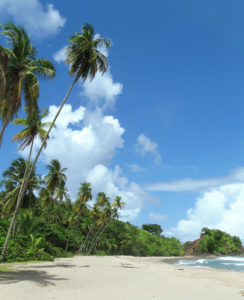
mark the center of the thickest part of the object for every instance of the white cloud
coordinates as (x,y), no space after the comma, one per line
(145,146)
(185,185)
(60,55)
(114,184)
(135,168)
(221,208)
(85,143)
(39,21)
(158,217)
(102,91)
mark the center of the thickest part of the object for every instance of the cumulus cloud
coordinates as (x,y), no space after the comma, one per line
(60,55)
(114,184)
(145,146)
(221,208)
(102,90)
(198,185)
(85,142)
(39,20)
(158,217)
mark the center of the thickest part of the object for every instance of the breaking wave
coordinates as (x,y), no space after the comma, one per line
(226,262)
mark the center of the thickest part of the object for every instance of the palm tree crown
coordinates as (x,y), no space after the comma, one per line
(83,54)
(34,127)
(13,177)
(21,73)
(56,177)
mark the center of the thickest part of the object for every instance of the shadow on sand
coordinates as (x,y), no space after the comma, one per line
(41,278)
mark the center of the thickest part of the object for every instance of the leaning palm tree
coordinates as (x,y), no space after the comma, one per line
(84,195)
(109,214)
(85,60)
(21,73)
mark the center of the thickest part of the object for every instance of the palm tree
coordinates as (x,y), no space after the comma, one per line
(85,60)
(94,216)
(34,128)
(13,178)
(84,195)
(110,212)
(61,193)
(22,71)
(56,178)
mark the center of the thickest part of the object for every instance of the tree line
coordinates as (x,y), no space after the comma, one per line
(51,225)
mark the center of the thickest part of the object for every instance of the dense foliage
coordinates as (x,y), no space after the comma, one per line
(214,241)
(50,225)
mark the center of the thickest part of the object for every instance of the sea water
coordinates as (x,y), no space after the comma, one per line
(226,262)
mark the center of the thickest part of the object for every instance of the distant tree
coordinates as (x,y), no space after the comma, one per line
(205,230)
(153,228)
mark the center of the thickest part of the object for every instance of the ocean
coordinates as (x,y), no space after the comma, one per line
(234,263)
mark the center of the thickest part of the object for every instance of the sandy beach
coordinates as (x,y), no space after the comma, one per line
(117,278)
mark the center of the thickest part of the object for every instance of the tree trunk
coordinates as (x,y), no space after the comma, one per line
(94,239)
(26,169)
(2,131)
(83,244)
(99,236)
(67,243)
(26,181)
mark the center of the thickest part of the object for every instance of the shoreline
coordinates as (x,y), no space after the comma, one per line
(119,277)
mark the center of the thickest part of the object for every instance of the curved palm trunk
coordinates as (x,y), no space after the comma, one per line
(99,236)
(83,244)
(89,249)
(2,131)
(86,247)
(25,184)
(26,169)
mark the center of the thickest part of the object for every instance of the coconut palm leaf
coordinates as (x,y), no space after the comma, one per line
(21,74)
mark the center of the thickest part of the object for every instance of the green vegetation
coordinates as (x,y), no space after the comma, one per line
(214,241)
(50,225)
(153,228)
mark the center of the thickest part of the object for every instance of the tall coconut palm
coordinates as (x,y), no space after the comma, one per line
(85,60)
(56,178)
(94,216)
(84,195)
(34,127)
(102,201)
(21,74)
(110,212)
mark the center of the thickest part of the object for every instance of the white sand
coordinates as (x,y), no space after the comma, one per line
(117,278)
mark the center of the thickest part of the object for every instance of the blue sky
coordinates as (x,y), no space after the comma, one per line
(164,128)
